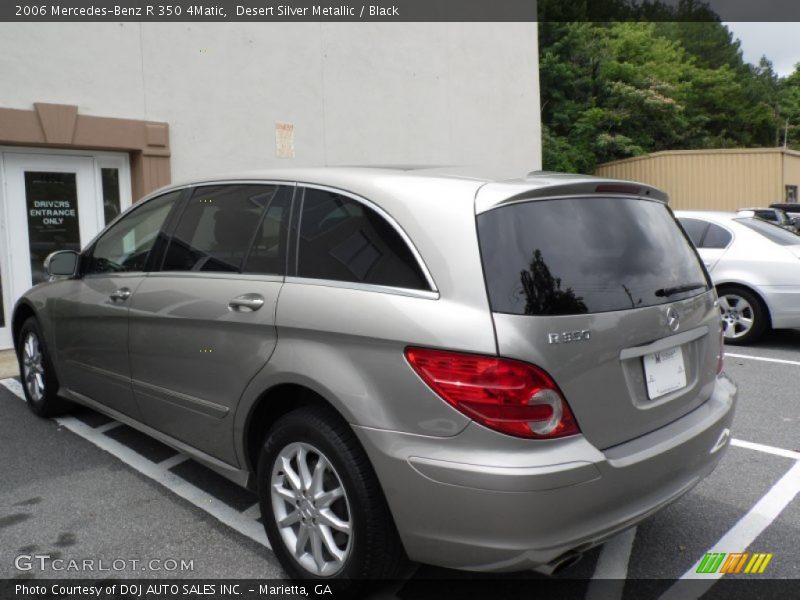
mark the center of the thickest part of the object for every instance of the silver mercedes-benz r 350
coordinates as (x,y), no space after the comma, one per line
(429,364)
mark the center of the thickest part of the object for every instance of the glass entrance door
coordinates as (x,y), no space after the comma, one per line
(50,203)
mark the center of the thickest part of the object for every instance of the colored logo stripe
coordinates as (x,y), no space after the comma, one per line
(758,563)
(734,562)
(713,562)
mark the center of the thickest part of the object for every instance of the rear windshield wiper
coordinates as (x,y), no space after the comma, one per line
(671,291)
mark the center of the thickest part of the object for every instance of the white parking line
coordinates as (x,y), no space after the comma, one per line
(253,512)
(107,427)
(13,386)
(611,570)
(764,448)
(764,359)
(231,517)
(177,485)
(173,461)
(739,538)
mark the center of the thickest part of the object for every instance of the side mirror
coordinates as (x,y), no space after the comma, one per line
(63,263)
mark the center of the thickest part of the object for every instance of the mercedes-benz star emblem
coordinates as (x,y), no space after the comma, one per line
(673,320)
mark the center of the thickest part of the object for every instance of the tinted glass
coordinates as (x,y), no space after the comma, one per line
(344,240)
(126,245)
(268,252)
(52,206)
(695,229)
(717,237)
(768,215)
(2,310)
(111,203)
(771,232)
(587,255)
(217,227)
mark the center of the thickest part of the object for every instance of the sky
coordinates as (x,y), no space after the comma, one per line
(778,41)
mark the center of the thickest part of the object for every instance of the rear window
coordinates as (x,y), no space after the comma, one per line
(767,215)
(717,237)
(585,255)
(704,234)
(695,229)
(776,234)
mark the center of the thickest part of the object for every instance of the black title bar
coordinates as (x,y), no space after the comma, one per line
(399,10)
(267,10)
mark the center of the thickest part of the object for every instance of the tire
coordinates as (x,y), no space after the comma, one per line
(39,380)
(744,316)
(372,550)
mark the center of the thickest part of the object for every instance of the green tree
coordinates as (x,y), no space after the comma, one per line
(615,90)
(789,108)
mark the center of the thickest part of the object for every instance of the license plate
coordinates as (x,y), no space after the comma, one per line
(664,372)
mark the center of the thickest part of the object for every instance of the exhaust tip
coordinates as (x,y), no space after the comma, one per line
(559,564)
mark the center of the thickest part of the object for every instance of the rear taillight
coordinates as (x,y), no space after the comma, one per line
(509,396)
(721,355)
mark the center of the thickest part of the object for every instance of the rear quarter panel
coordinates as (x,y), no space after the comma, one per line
(347,345)
(347,342)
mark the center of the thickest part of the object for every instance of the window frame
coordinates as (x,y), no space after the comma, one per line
(174,219)
(709,224)
(156,253)
(293,254)
(721,226)
(156,259)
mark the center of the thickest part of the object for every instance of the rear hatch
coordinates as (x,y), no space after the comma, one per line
(602,290)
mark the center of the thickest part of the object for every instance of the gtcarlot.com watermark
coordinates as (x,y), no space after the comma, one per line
(46,563)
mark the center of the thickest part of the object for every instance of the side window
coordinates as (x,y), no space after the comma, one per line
(344,240)
(268,252)
(717,237)
(217,227)
(126,246)
(695,229)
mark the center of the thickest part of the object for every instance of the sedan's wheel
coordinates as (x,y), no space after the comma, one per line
(311,510)
(322,506)
(744,317)
(39,380)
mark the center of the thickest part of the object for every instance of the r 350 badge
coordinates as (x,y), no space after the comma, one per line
(567,337)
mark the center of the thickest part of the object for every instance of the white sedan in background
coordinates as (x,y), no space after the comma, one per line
(755,267)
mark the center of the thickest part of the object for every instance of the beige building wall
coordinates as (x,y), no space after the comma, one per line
(355,93)
(714,179)
(791,172)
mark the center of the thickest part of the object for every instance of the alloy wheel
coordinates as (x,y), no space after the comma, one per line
(738,316)
(33,366)
(311,509)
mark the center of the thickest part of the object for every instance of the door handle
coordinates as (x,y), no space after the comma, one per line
(246,302)
(121,294)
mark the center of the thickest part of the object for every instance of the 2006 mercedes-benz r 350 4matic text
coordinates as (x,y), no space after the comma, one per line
(477,373)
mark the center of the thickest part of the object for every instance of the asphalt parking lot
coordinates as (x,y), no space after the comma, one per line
(85,486)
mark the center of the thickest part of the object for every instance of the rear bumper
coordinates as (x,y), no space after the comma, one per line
(784,304)
(487,502)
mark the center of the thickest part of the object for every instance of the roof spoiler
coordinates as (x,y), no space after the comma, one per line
(541,185)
